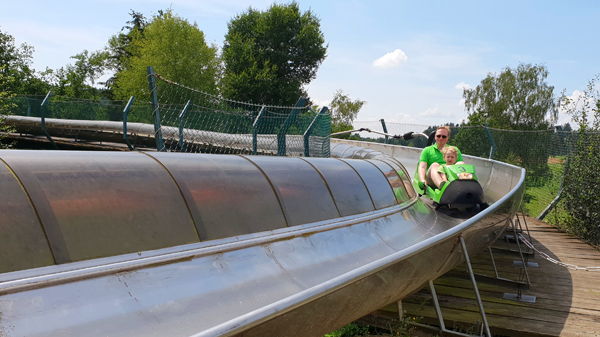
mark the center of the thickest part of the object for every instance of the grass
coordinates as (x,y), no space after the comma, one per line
(540,191)
(398,329)
(539,196)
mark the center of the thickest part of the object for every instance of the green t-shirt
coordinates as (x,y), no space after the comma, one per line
(432,154)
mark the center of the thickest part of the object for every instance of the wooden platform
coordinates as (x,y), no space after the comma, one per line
(567,301)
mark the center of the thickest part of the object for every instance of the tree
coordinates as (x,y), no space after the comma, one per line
(79,80)
(15,62)
(176,49)
(515,99)
(344,111)
(121,47)
(269,56)
(5,106)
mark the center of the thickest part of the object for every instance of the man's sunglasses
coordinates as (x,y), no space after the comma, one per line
(441,136)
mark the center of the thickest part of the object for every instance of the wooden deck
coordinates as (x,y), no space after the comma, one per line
(567,301)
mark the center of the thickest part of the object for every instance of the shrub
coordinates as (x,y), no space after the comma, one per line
(581,193)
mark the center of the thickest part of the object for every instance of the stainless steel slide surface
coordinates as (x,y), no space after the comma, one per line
(172,244)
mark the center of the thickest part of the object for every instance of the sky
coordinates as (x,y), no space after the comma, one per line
(409,60)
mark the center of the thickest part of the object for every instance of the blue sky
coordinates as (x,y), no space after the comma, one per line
(408,59)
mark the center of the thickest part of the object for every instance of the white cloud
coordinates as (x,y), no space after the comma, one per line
(430,112)
(461,103)
(322,103)
(391,60)
(461,86)
(577,97)
(405,118)
(435,112)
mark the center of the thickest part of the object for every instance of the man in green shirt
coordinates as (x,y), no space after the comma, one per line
(432,157)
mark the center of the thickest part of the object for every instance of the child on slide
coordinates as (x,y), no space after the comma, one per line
(450,155)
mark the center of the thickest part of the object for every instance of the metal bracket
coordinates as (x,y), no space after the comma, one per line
(512,252)
(519,297)
(528,264)
(496,281)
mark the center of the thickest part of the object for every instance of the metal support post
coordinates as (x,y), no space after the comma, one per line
(438,309)
(28,107)
(553,204)
(478,297)
(384,129)
(181,115)
(281,135)
(125,112)
(517,229)
(525,222)
(519,296)
(519,285)
(255,131)
(309,131)
(493,262)
(43,111)
(512,237)
(470,268)
(160,146)
(526,227)
(93,113)
(493,149)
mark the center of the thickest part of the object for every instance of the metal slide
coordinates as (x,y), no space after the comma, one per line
(174,244)
(144,135)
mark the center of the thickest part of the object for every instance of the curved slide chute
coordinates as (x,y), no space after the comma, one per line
(172,244)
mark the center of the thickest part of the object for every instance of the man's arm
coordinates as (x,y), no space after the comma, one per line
(422,172)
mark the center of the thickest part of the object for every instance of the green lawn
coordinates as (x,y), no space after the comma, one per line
(539,194)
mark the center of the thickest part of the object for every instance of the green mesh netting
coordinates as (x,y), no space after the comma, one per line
(81,109)
(194,121)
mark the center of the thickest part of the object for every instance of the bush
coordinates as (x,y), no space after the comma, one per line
(582,195)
